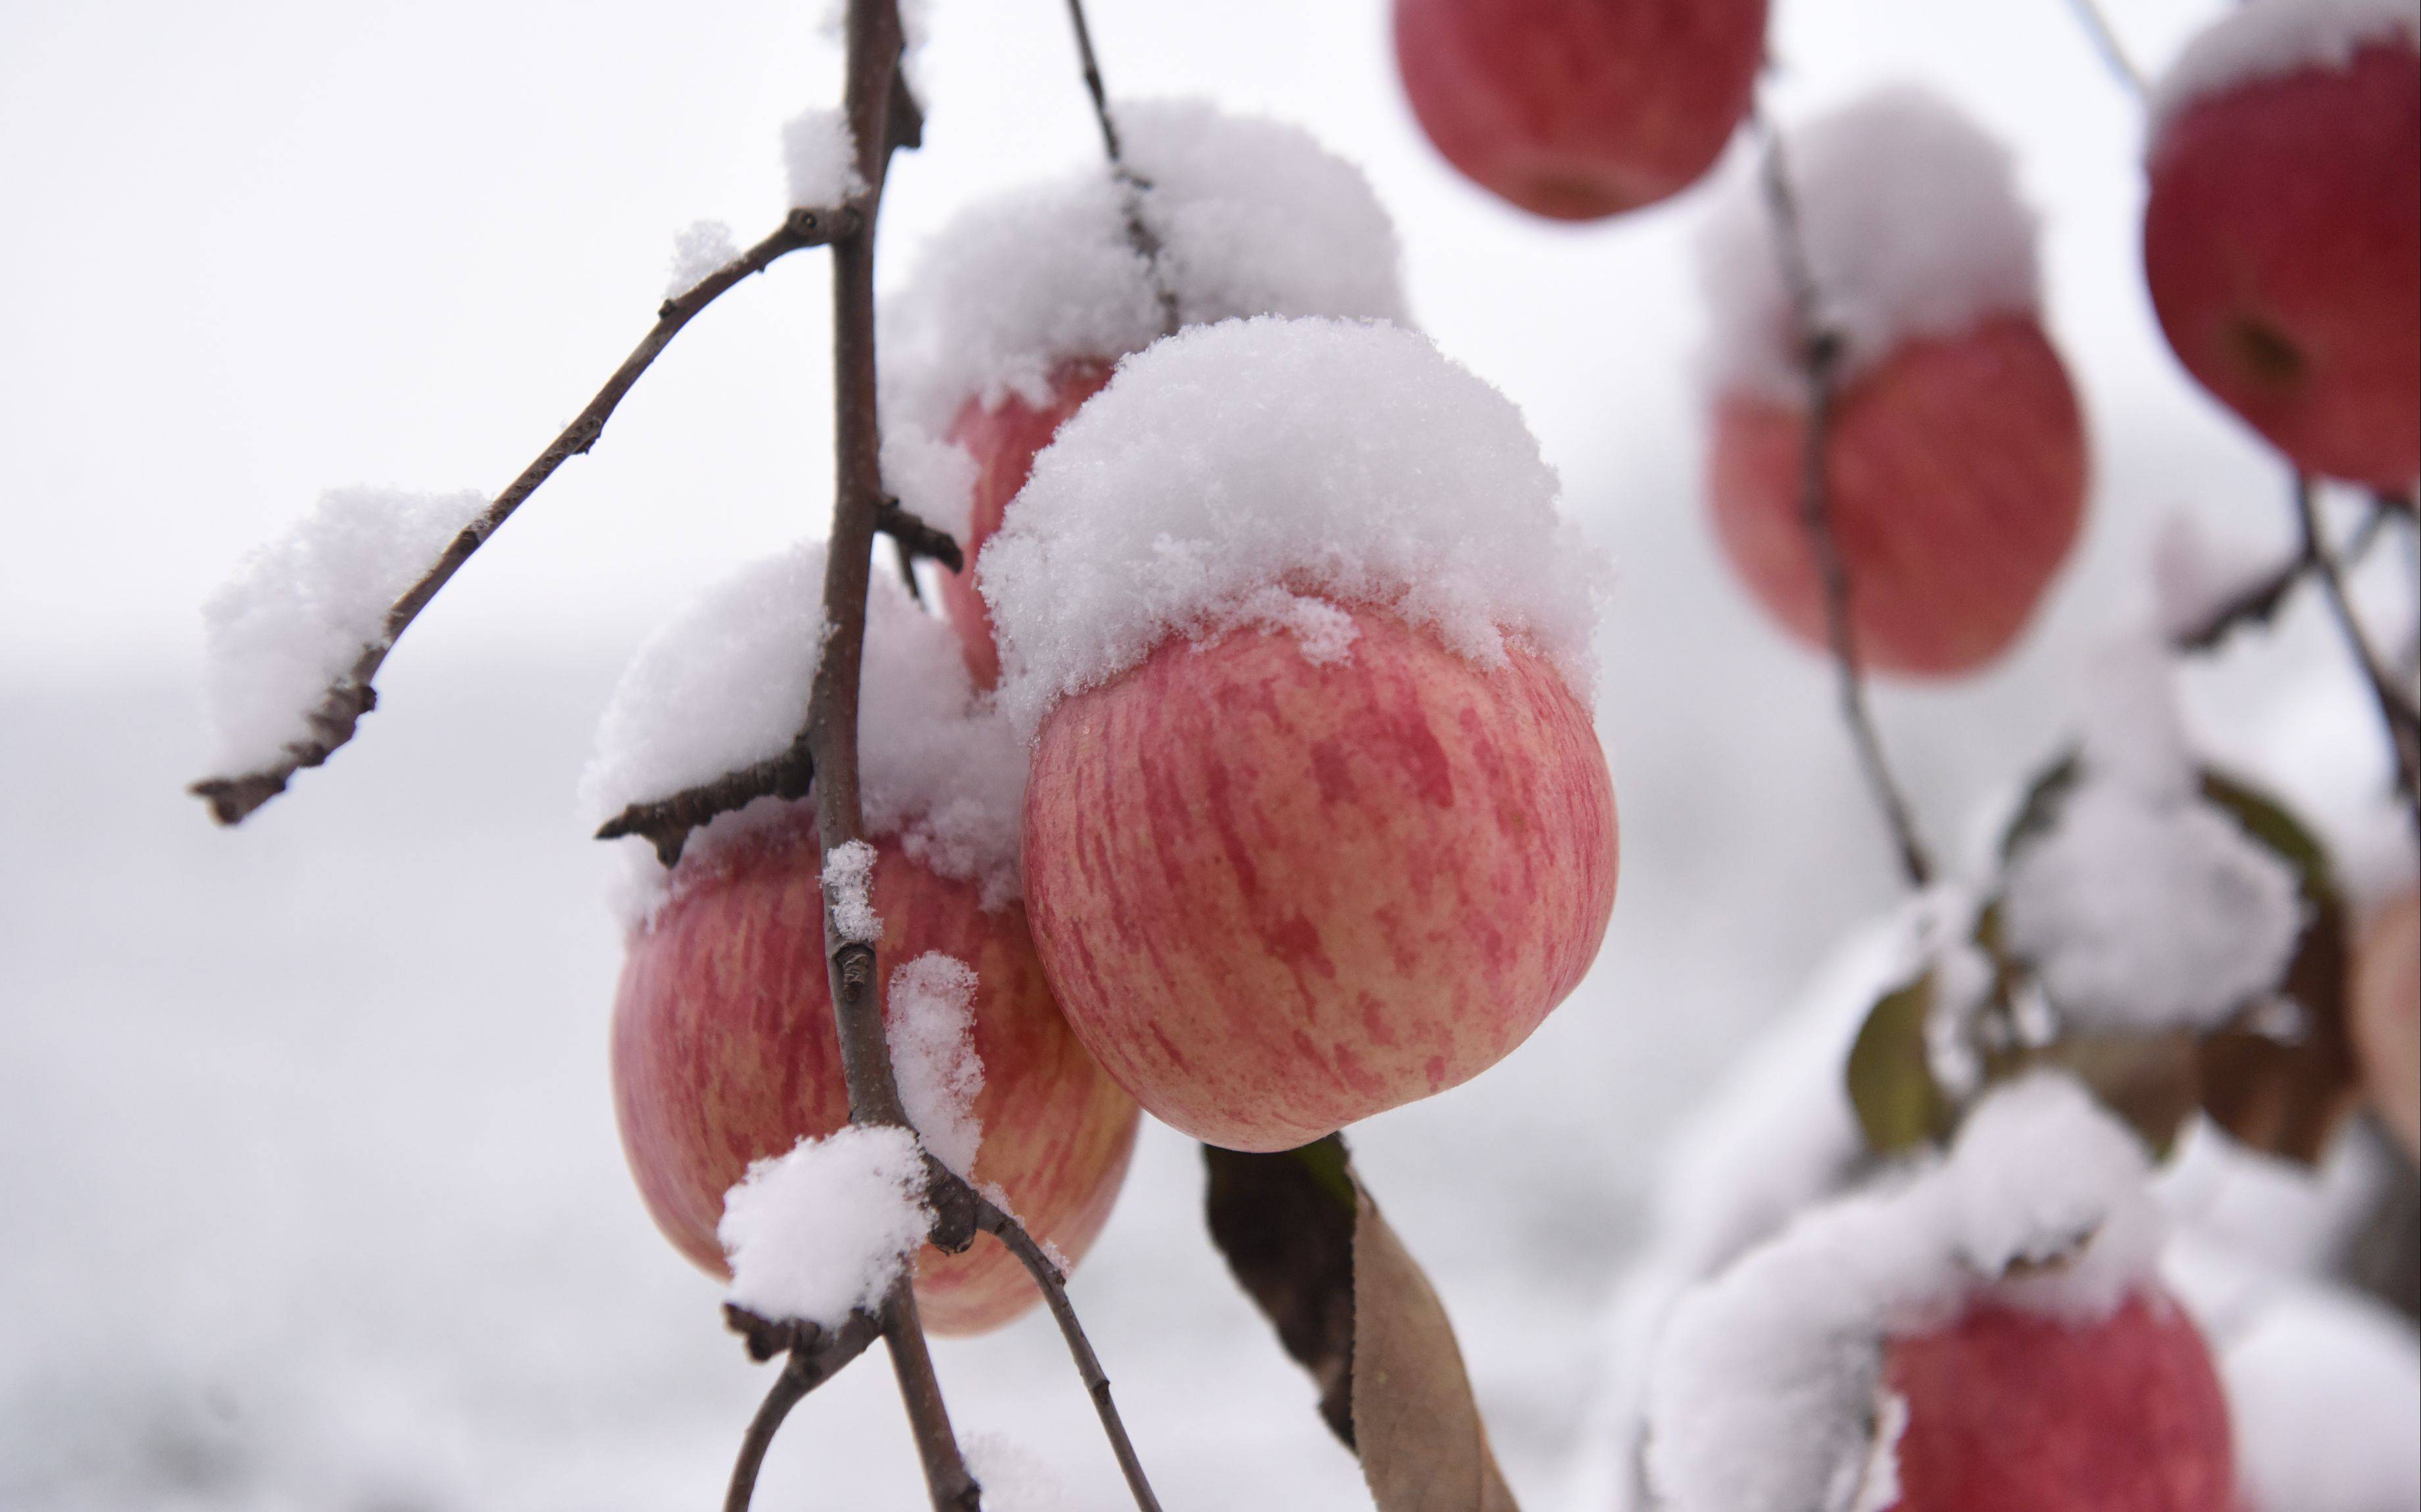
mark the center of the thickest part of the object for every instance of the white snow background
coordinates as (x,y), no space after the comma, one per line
(309,1192)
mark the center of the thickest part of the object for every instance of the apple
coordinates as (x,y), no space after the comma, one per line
(2017,1411)
(1003,439)
(723,1051)
(2387,1018)
(1578,109)
(1275,894)
(2282,244)
(1955,472)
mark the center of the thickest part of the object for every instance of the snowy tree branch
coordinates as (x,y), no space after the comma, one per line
(2396,710)
(235,796)
(815,1357)
(1139,232)
(1820,350)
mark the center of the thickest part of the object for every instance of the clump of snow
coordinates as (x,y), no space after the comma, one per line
(1912,227)
(2267,39)
(824,1230)
(929,1020)
(1251,217)
(849,892)
(301,611)
(2325,1391)
(1767,1379)
(698,249)
(725,685)
(932,479)
(1236,473)
(822,159)
(1013,1478)
(2147,907)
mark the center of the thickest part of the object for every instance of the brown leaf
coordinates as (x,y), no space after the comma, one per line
(2153,1081)
(1286,1222)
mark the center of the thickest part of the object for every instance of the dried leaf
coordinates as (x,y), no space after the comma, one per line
(1286,1222)
(1899,1104)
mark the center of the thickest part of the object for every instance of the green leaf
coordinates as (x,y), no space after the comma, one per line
(1891,1083)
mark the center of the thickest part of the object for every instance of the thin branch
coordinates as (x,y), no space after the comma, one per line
(2107,42)
(2396,710)
(2258,602)
(951,1484)
(1139,232)
(666,822)
(1820,352)
(815,1357)
(993,1220)
(231,798)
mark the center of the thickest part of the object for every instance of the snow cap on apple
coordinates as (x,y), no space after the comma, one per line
(1932,1344)
(2273,39)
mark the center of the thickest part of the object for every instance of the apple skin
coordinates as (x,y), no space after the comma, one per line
(725,1051)
(1275,896)
(2013,1412)
(2282,244)
(1580,109)
(1955,478)
(1004,440)
(2387,1018)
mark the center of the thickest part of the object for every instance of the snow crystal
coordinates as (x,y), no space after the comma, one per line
(932,479)
(1253,217)
(2147,907)
(2325,1390)
(2268,37)
(1912,227)
(1338,460)
(699,250)
(825,1229)
(1768,1378)
(930,1021)
(725,685)
(1012,1477)
(822,158)
(849,892)
(301,611)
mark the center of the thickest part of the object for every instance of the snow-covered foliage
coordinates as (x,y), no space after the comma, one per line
(2267,39)
(1913,226)
(2147,907)
(822,159)
(1767,1379)
(849,892)
(1240,472)
(698,249)
(824,1230)
(929,1019)
(1251,217)
(302,610)
(725,685)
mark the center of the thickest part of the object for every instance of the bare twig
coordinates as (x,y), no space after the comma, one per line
(2105,41)
(666,822)
(951,1485)
(233,797)
(992,1221)
(1139,232)
(815,1357)
(1819,357)
(2259,601)
(2396,710)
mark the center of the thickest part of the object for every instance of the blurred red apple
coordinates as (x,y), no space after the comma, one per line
(2282,242)
(1955,470)
(725,1051)
(2387,1018)
(2012,1412)
(1577,109)
(1003,439)
(1276,895)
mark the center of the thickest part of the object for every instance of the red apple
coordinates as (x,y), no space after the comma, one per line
(1955,470)
(2282,242)
(1004,439)
(1275,896)
(2013,1412)
(1577,109)
(2387,1018)
(725,1051)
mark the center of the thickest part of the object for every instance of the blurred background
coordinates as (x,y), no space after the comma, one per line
(309,1191)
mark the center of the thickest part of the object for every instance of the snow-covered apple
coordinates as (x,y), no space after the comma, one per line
(2282,230)
(2386,1017)
(1578,109)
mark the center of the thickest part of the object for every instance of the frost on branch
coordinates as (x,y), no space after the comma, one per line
(824,1230)
(1912,227)
(698,249)
(1013,1478)
(1251,217)
(2147,907)
(929,1020)
(2268,38)
(821,159)
(1236,474)
(725,685)
(299,615)
(1767,1379)
(849,892)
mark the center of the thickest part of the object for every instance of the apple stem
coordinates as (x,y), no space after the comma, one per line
(1820,353)
(2403,720)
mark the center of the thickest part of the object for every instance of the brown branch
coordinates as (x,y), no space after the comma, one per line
(1139,232)
(993,1220)
(1820,359)
(815,1357)
(666,822)
(2259,601)
(352,695)
(2396,710)
(916,539)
